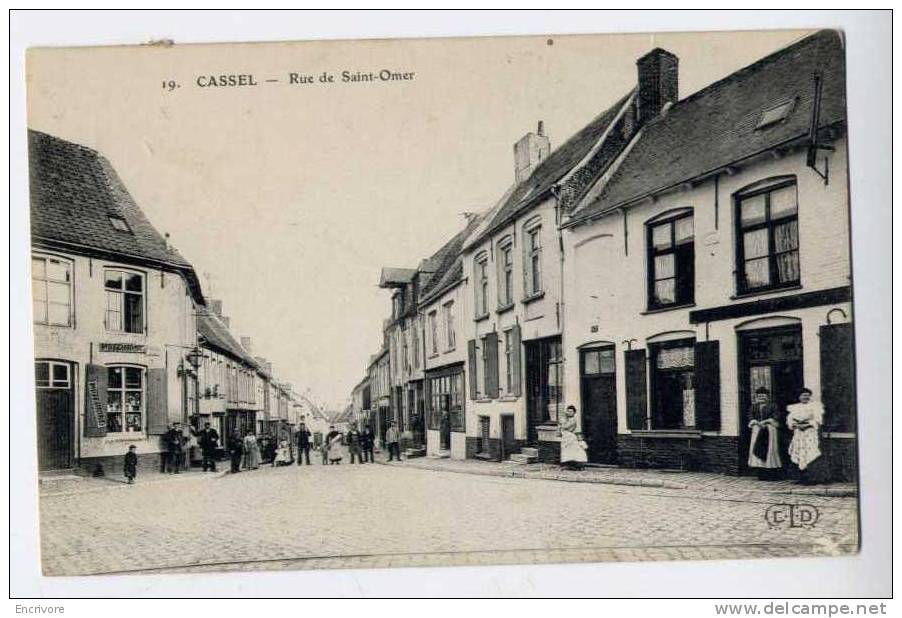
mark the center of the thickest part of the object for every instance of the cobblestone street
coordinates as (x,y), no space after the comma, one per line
(396,515)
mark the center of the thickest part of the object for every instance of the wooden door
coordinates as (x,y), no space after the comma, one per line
(600,418)
(55,415)
(508,442)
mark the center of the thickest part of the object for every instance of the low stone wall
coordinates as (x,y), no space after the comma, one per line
(705,454)
(549,452)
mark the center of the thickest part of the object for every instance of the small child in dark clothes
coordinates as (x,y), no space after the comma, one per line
(131,464)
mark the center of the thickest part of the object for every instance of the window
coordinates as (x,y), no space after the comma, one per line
(598,362)
(768,238)
(433,332)
(555,381)
(482,286)
(673,384)
(124,301)
(671,262)
(775,114)
(508,361)
(51,283)
(449,325)
(505,275)
(49,374)
(533,261)
(446,396)
(404,364)
(125,400)
(415,344)
(119,224)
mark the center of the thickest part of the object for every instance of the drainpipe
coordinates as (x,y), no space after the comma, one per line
(558,216)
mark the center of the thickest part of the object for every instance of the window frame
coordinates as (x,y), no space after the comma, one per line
(53,383)
(508,361)
(532,260)
(46,281)
(668,219)
(481,287)
(765,188)
(450,334)
(654,348)
(123,390)
(433,331)
(123,295)
(505,274)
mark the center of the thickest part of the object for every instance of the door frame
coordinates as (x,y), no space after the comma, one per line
(535,354)
(74,438)
(512,420)
(583,383)
(743,396)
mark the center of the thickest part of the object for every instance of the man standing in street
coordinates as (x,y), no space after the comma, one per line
(303,441)
(165,454)
(392,441)
(236,450)
(177,447)
(353,440)
(367,440)
(208,439)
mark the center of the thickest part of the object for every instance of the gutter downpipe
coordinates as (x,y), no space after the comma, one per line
(558,214)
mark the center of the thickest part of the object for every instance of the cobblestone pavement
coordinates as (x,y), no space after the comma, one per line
(396,515)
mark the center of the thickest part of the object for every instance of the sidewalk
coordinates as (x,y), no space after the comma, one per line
(661,479)
(67,485)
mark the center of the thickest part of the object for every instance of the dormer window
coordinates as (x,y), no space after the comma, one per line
(775,114)
(119,224)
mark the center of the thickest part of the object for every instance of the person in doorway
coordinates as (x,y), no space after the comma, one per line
(352,439)
(764,441)
(333,445)
(303,442)
(367,442)
(804,419)
(208,440)
(392,442)
(131,463)
(236,450)
(573,450)
(445,430)
(251,451)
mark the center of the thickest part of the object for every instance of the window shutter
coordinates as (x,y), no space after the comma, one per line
(157,408)
(838,377)
(491,365)
(515,361)
(95,401)
(707,385)
(636,396)
(471,356)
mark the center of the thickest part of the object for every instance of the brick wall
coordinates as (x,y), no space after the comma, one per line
(549,452)
(841,455)
(493,452)
(707,454)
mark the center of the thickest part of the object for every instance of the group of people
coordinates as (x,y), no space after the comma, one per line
(249,452)
(786,443)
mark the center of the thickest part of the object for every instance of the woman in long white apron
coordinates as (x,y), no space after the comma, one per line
(805,419)
(573,452)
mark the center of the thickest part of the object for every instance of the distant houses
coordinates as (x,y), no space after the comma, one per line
(657,269)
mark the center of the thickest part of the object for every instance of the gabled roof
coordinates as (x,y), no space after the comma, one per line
(396,277)
(75,191)
(718,125)
(547,173)
(215,334)
(447,261)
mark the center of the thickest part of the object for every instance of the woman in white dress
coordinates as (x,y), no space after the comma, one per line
(251,451)
(573,452)
(804,419)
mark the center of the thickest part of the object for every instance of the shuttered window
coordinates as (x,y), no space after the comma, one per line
(125,399)
(95,401)
(838,377)
(490,364)
(672,384)
(636,396)
(516,365)
(707,385)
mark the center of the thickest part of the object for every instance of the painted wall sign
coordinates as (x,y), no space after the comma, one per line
(127,348)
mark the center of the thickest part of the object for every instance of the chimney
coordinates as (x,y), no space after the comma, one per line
(658,82)
(529,151)
(247,345)
(215,306)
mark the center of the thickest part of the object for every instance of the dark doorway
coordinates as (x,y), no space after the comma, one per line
(55,414)
(508,442)
(599,399)
(771,358)
(544,382)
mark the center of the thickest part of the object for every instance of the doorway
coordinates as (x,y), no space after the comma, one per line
(55,397)
(769,358)
(599,400)
(544,384)
(508,441)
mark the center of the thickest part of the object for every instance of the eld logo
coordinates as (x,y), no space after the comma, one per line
(791,516)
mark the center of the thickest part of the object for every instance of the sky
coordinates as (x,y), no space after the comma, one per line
(289,198)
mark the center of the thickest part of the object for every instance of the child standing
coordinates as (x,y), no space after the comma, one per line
(131,463)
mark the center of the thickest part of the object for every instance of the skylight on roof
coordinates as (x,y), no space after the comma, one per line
(775,114)
(120,224)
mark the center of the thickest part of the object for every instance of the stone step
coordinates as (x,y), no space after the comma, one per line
(530,451)
(523,458)
(413,453)
(440,455)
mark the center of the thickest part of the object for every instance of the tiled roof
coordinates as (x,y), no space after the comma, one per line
(217,335)
(558,164)
(717,126)
(391,277)
(448,263)
(75,191)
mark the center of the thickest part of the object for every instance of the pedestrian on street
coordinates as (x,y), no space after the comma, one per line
(333,445)
(392,442)
(764,441)
(251,451)
(131,463)
(175,448)
(303,442)
(367,440)
(573,451)
(208,440)
(236,449)
(805,419)
(353,442)
(283,454)
(165,456)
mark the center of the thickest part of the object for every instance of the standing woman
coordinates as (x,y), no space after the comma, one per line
(251,451)
(573,453)
(764,443)
(805,419)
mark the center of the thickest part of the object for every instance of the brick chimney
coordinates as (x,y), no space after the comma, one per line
(529,151)
(248,345)
(658,82)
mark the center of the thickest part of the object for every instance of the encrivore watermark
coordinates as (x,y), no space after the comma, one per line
(40,609)
(786,608)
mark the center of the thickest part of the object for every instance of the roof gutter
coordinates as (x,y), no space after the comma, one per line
(728,168)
